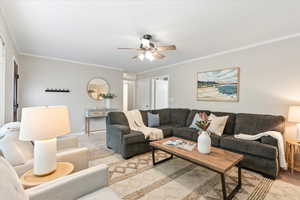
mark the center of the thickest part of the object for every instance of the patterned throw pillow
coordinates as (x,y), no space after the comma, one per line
(153,120)
(196,119)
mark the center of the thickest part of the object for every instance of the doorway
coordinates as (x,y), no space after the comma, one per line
(15,91)
(160,92)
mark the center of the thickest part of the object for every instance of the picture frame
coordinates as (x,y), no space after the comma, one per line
(221,85)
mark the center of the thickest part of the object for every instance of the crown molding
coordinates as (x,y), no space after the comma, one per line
(72,61)
(223,53)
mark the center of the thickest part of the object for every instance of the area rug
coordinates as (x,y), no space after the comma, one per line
(176,179)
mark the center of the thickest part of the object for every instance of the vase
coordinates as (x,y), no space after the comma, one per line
(204,142)
(107,103)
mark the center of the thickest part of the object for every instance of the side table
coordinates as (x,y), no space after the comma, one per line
(30,180)
(292,147)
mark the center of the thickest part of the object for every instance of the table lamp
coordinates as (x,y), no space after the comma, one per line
(294,116)
(42,125)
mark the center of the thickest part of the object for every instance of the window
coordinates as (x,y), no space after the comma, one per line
(2,81)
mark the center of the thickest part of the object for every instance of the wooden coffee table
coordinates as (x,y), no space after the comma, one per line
(219,160)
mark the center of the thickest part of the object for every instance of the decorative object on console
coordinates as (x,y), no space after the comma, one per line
(107,98)
(294,116)
(218,85)
(57,90)
(43,125)
(97,87)
(204,141)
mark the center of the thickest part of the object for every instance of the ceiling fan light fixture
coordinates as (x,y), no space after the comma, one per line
(141,56)
(149,55)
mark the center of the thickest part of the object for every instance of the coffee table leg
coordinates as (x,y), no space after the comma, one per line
(235,190)
(161,161)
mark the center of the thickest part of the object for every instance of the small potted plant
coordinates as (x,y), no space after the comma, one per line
(107,98)
(204,141)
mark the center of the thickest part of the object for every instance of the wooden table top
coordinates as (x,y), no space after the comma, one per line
(219,160)
(293,141)
(29,179)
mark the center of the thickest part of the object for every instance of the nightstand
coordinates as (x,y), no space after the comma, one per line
(30,180)
(292,147)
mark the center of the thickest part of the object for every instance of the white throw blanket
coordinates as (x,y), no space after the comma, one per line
(136,123)
(274,134)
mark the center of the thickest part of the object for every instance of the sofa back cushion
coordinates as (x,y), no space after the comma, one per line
(191,116)
(164,115)
(117,118)
(254,123)
(179,116)
(230,124)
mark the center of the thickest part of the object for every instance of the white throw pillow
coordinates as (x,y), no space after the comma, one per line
(217,124)
(17,152)
(10,185)
(10,128)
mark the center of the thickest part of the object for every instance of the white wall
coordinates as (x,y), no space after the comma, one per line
(11,54)
(270,80)
(37,74)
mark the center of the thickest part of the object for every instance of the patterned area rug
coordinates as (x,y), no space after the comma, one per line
(136,178)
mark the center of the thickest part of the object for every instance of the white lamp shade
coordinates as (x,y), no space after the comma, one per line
(43,123)
(294,114)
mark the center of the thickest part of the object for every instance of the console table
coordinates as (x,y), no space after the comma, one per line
(292,147)
(95,113)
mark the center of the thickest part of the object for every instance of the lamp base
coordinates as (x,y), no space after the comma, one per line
(44,162)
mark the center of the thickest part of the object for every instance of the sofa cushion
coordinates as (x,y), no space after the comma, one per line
(153,119)
(144,114)
(217,124)
(134,137)
(179,116)
(117,118)
(164,115)
(167,130)
(249,147)
(185,133)
(191,116)
(16,151)
(229,127)
(254,123)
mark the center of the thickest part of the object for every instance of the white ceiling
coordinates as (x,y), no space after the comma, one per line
(90,31)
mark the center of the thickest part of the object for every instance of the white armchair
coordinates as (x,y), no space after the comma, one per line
(68,151)
(88,184)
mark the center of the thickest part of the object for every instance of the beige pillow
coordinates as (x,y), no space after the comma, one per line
(10,185)
(17,152)
(217,124)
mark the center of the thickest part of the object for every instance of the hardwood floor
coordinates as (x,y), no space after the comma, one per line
(286,176)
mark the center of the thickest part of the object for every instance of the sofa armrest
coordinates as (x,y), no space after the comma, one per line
(73,186)
(269,140)
(67,143)
(78,157)
(120,129)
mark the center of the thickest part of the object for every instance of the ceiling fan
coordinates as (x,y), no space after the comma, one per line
(149,50)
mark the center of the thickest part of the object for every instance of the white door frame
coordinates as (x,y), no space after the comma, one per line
(152,96)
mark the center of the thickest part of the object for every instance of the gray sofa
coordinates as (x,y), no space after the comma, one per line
(260,155)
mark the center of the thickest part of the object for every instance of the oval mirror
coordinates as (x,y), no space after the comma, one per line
(96,87)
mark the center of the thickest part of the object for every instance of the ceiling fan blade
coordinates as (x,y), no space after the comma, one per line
(166,48)
(157,55)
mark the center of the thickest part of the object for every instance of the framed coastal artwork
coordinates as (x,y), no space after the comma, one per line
(219,85)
